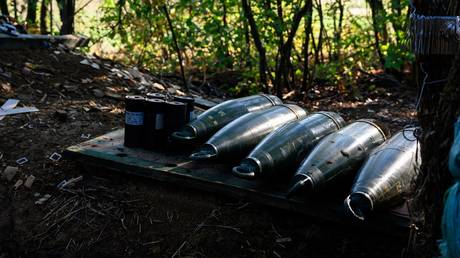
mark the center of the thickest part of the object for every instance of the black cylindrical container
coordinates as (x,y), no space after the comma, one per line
(175,115)
(190,101)
(153,95)
(154,129)
(134,121)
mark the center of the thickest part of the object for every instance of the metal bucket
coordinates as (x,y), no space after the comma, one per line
(217,117)
(337,155)
(386,175)
(282,150)
(240,136)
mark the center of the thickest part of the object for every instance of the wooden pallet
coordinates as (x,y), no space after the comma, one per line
(108,152)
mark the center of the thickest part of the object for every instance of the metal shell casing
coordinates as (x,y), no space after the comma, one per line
(386,175)
(190,101)
(134,121)
(282,150)
(217,117)
(154,135)
(240,136)
(336,155)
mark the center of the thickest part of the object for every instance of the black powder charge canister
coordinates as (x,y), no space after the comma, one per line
(155,134)
(175,115)
(156,96)
(190,101)
(134,121)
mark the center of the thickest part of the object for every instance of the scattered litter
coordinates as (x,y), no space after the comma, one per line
(98,93)
(85,62)
(1,155)
(283,240)
(85,136)
(158,86)
(55,157)
(87,80)
(93,65)
(44,199)
(29,181)
(8,108)
(9,104)
(22,161)
(18,184)
(10,172)
(69,182)
(7,27)
(36,195)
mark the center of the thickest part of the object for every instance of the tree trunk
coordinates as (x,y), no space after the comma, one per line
(224,35)
(338,31)
(258,43)
(319,45)
(31,11)
(380,33)
(67,11)
(43,11)
(15,9)
(438,110)
(306,44)
(282,74)
(4,7)
(396,9)
(176,45)
(51,16)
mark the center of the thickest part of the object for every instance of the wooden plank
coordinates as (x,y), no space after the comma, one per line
(173,167)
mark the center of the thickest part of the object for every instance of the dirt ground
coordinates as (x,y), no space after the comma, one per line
(110,215)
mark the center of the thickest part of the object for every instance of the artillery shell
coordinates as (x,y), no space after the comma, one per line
(217,117)
(240,136)
(386,175)
(338,154)
(283,149)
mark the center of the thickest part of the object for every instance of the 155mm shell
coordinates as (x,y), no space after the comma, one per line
(386,175)
(240,136)
(338,154)
(217,117)
(283,149)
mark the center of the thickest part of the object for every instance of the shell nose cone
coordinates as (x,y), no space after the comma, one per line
(359,205)
(245,170)
(300,186)
(185,134)
(207,151)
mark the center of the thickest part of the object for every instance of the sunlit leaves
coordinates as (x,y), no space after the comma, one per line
(213,36)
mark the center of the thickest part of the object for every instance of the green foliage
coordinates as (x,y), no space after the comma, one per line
(213,36)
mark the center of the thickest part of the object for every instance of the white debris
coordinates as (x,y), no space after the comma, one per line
(10,172)
(159,86)
(18,184)
(44,199)
(29,181)
(69,182)
(55,157)
(85,62)
(95,66)
(22,161)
